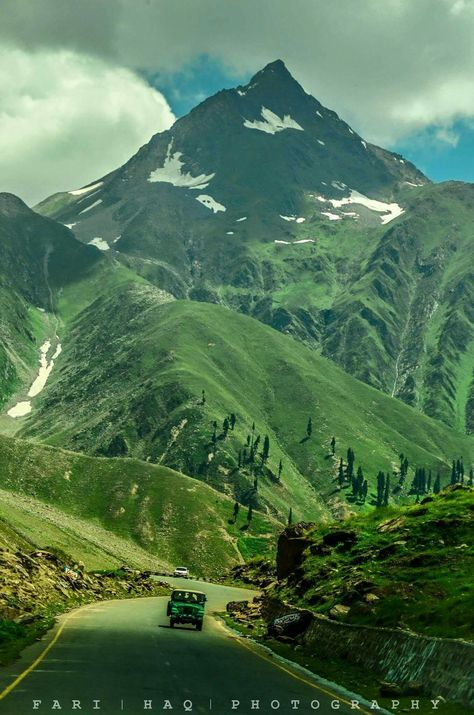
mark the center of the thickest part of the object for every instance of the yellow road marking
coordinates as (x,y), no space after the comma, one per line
(272,661)
(38,660)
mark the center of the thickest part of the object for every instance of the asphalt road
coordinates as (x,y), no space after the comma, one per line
(123,653)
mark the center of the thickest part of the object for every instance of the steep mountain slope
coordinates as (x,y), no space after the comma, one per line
(143,508)
(116,395)
(265,201)
(37,258)
(411,308)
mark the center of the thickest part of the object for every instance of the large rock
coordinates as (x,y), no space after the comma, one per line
(291,544)
(340,537)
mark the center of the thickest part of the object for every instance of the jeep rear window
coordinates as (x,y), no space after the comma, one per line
(188,596)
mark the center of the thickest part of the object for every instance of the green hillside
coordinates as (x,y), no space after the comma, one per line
(28,524)
(121,508)
(312,230)
(38,257)
(142,397)
(397,567)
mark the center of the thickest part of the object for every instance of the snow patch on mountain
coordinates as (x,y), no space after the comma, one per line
(99,243)
(272,123)
(391,211)
(70,225)
(294,243)
(171,172)
(210,203)
(96,203)
(86,189)
(46,365)
(331,216)
(244,218)
(20,409)
(45,368)
(320,141)
(299,219)
(319,114)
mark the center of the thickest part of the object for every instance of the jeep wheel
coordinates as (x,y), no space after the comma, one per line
(199,626)
(168,609)
(171,622)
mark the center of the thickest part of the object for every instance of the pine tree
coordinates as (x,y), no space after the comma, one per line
(350,463)
(233,420)
(250,514)
(454,474)
(309,427)
(365,489)
(266,449)
(225,427)
(255,484)
(386,493)
(236,510)
(359,483)
(428,486)
(380,488)
(471,477)
(340,476)
(203,397)
(333,446)
(290,517)
(280,469)
(437,484)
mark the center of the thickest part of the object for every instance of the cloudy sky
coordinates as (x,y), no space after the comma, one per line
(83,83)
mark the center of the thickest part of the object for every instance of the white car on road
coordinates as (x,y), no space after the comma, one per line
(181,572)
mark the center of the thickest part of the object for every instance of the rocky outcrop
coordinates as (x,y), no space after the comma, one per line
(31,584)
(291,545)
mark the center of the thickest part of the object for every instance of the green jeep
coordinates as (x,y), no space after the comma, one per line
(186,606)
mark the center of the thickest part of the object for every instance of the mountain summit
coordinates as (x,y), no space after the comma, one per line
(257,149)
(265,201)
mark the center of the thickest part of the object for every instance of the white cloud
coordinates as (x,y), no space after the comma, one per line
(447,135)
(67,118)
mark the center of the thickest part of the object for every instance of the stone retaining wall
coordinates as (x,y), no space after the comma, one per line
(444,666)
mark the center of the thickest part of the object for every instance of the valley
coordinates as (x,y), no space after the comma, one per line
(246,324)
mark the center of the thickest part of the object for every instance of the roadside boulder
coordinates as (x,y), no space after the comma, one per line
(339,612)
(290,625)
(291,544)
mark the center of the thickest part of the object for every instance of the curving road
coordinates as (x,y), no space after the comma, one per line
(123,655)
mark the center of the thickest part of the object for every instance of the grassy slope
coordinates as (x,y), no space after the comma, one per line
(147,392)
(162,512)
(420,569)
(391,304)
(27,524)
